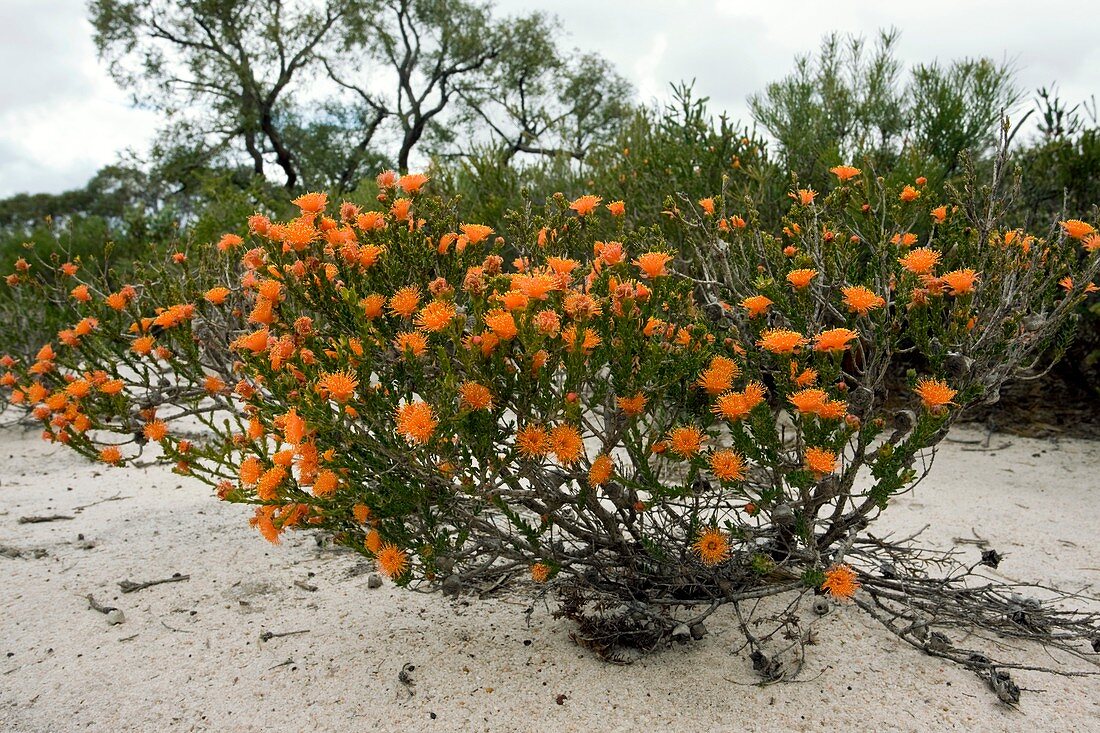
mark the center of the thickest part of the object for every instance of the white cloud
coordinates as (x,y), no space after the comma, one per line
(61,116)
(646,67)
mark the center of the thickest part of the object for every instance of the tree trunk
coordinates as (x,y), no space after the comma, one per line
(282,156)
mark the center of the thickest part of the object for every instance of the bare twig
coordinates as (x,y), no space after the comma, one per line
(129,586)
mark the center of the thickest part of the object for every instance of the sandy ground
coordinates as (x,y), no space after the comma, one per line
(189,654)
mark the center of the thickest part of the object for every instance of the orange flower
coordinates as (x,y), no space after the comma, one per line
(781,341)
(909,194)
(801,278)
(435,316)
(840,582)
(686,441)
(920,261)
(845,172)
(804,196)
(734,406)
(566,444)
(939,214)
(116,301)
(294,427)
(217,295)
(416,421)
(386,179)
(372,305)
(719,375)
(632,406)
(1077,229)
(476,233)
(600,472)
(370,220)
(652,264)
(835,339)
(268,485)
(142,345)
(727,465)
(400,209)
(585,205)
(80,292)
(610,253)
(536,286)
(756,305)
(155,430)
(707,205)
(85,326)
(405,301)
(617,208)
(326,483)
(514,301)
(311,203)
(111,455)
(808,401)
(412,182)
(392,561)
(806,379)
(548,323)
(820,461)
(935,393)
(475,396)
(1091,243)
(584,342)
(111,387)
(861,300)
(960,281)
(532,441)
(256,342)
(562,266)
(580,306)
(373,541)
(712,546)
(339,386)
(411,341)
(501,323)
(540,572)
(298,234)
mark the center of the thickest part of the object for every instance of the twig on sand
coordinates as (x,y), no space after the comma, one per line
(14,552)
(116,497)
(987,449)
(499,582)
(305,586)
(281,664)
(43,518)
(129,586)
(92,604)
(977,540)
(269,635)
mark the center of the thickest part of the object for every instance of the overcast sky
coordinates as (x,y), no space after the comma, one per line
(61,117)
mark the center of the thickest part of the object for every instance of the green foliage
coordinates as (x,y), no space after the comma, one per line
(850,104)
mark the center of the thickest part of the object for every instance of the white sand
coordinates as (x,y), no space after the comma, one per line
(188,656)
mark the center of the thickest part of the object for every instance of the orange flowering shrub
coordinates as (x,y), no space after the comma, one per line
(637,424)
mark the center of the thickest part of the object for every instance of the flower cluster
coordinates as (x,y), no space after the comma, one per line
(453,400)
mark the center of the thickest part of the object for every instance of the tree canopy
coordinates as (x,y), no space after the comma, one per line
(323,91)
